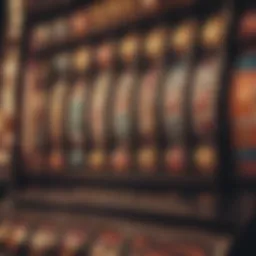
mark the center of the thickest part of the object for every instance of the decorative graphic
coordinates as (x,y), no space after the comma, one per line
(205,158)
(214,31)
(76,156)
(96,160)
(81,59)
(147,159)
(182,38)
(60,30)
(79,23)
(56,158)
(175,159)
(155,42)
(61,62)
(121,159)
(105,54)
(243,114)
(41,36)
(129,48)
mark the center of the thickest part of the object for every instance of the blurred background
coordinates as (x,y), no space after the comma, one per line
(127,127)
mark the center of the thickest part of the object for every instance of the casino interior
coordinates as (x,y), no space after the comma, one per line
(103,152)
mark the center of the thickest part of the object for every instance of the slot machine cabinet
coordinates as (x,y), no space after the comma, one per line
(107,133)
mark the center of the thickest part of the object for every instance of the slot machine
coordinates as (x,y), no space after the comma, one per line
(119,109)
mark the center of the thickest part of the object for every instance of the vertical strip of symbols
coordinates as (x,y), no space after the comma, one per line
(56,117)
(175,88)
(98,118)
(99,101)
(206,91)
(34,116)
(75,122)
(154,49)
(174,117)
(147,156)
(204,106)
(147,127)
(122,120)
